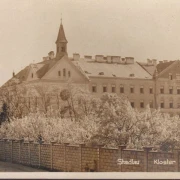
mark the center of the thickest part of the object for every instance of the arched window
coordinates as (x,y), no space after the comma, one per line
(64,72)
(63,49)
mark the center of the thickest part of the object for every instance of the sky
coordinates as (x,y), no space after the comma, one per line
(138,28)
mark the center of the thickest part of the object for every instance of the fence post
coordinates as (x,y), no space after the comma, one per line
(120,149)
(176,157)
(146,151)
(4,148)
(65,144)
(20,147)
(39,155)
(80,155)
(51,156)
(29,151)
(11,150)
(99,157)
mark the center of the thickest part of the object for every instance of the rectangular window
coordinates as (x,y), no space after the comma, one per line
(94,88)
(141,104)
(171,104)
(121,89)
(113,88)
(151,90)
(162,89)
(59,73)
(32,75)
(104,88)
(141,89)
(162,104)
(170,90)
(178,90)
(151,104)
(178,105)
(132,104)
(131,89)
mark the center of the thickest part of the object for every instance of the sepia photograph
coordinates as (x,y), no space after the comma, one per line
(90,86)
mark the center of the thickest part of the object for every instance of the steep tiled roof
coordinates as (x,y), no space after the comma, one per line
(162,66)
(23,74)
(149,68)
(95,69)
(47,65)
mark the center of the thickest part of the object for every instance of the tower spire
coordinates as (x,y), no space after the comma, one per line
(61,42)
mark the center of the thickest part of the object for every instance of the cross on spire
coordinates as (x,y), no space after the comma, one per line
(61,18)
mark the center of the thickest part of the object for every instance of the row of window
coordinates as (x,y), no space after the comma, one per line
(142,105)
(64,73)
(162,104)
(170,90)
(171,104)
(121,89)
(132,89)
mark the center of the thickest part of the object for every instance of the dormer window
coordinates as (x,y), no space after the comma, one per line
(101,73)
(131,75)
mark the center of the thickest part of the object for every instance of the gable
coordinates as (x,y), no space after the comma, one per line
(173,69)
(64,70)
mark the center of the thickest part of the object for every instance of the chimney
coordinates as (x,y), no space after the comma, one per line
(129,60)
(123,60)
(99,58)
(76,57)
(149,62)
(46,58)
(51,55)
(115,59)
(154,62)
(109,59)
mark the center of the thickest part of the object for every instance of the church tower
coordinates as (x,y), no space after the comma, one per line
(61,43)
